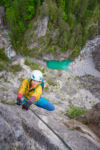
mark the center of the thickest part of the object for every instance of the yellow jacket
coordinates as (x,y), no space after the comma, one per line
(24,90)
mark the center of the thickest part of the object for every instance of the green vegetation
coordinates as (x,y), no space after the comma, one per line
(33,65)
(4,61)
(18,15)
(6,64)
(71,24)
(52,83)
(75,112)
(15,68)
(69,78)
(8,102)
(5,3)
(46,88)
(75,22)
(4,89)
(3,56)
(80,17)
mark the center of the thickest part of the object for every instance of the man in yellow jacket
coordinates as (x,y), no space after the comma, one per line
(31,90)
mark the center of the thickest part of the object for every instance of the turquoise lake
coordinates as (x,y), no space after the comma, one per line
(54,64)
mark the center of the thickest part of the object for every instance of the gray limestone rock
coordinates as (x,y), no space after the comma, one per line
(93,119)
(11,131)
(22,130)
(2,14)
(91,83)
(96,58)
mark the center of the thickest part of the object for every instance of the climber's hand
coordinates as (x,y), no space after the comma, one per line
(25,106)
(18,101)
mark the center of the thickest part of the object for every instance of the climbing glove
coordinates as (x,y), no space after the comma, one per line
(26,106)
(18,101)
(29,103)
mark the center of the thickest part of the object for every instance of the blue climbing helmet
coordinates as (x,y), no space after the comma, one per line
(37,76)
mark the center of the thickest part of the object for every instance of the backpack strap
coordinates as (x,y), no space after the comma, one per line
(42,84)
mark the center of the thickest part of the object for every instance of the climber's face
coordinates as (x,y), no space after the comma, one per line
(34,83)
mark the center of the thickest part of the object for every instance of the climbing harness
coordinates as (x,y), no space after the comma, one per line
(52,131)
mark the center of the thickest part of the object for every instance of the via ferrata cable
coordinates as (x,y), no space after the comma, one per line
(52,131)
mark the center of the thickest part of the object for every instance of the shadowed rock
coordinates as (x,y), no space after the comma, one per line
(96,58)
(2,15)
(93,119)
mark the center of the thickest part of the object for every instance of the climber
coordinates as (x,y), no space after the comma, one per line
(31,90)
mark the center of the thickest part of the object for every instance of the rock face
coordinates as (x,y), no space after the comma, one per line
(6,43)
(22,130)
(93,119)
(11,131)
(82,128)
(96,58)
(92,83)
(42,27)
(2,14)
